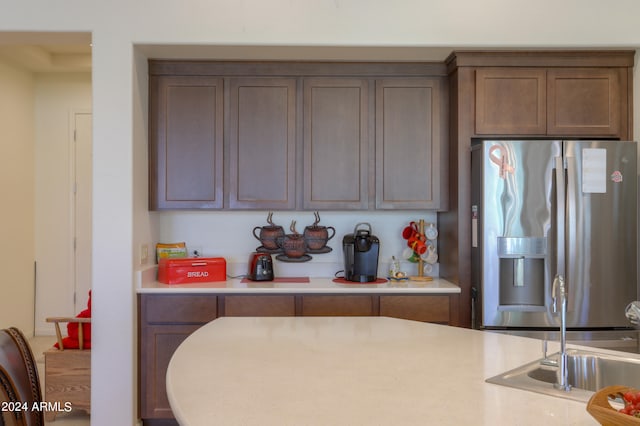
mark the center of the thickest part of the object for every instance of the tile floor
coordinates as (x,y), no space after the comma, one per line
(76,417)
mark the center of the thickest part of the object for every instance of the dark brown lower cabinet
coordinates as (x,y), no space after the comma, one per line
(259,306)
(338,306)
(166,320)
(427,309)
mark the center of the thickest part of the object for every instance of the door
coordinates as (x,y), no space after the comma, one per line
(63,218)
(262,143)
(585,102)
(82,211)
(336,143)
(601,232)
(510,101)
(410,134)
(516,221)
(185,142)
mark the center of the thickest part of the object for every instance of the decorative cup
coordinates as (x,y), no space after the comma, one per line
(410,230)
(418,246)
(294,245)
(409,255)
(269,236)
(431,232)
(316,237)
(430,256)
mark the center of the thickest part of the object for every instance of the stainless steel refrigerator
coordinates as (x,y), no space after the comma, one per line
(546,207)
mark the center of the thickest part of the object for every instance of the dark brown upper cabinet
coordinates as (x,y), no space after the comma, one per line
(588,102)
(336,143)
(297,135)
(511,101)
(186,142)
(262,143)
(411,143)
(585,101)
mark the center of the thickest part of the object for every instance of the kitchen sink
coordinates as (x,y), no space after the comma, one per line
(588,372)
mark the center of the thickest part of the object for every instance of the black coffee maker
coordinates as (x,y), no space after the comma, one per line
(361,255)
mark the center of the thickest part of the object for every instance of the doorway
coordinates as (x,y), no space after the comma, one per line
(63,213)
(40,97)
(82,184)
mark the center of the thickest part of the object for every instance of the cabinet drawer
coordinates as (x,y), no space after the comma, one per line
(259,306)
(418,308)
(337,306)
(179,309)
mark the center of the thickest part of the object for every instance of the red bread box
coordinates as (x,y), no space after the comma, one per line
(192,270)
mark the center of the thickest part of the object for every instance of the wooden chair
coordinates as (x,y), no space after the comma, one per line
(20,393)
(67,372)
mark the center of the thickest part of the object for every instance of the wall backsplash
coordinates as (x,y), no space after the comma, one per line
(229,234)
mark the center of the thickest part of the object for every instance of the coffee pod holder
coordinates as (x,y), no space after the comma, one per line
(421,276)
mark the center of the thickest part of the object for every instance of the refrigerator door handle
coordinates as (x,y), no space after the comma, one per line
(560,216)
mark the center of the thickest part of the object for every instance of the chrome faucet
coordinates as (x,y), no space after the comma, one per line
(559,291)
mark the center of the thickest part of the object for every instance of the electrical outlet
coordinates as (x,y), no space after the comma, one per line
(144,254)
(194,251)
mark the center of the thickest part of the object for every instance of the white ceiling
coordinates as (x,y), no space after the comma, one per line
(47,52)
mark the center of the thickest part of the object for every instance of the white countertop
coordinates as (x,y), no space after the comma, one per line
(148,284)
(355,371)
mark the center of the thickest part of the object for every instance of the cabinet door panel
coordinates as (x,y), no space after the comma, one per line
(510,101)
(186,142)
(338,306)
(584,102)
(259,306)
(336,141)
(418,308)
(409,137)
(158,343)
(262,143)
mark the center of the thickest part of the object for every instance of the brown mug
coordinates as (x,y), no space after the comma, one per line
(270,236)
(316,237)
(293,245)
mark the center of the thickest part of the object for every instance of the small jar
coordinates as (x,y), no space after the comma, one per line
(394,267)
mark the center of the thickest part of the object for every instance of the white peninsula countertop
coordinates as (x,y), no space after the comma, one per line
(354,371)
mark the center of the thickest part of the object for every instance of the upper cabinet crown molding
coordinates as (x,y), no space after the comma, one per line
(297,68)
(541,58)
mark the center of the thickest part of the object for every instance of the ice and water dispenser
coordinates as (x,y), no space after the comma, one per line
(521,272)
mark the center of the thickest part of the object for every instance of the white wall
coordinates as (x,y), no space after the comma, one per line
(17,195)
(57,96)
(230,235)
(120,219)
